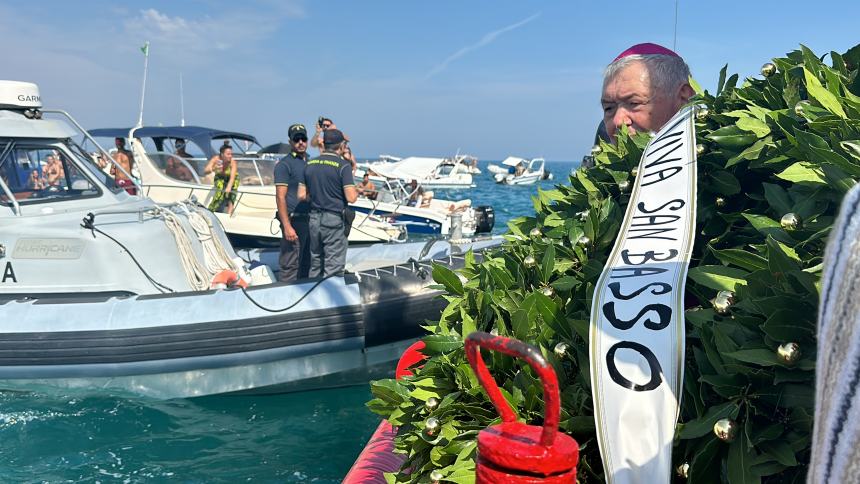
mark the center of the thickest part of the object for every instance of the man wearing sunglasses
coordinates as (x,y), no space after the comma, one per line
(294,260)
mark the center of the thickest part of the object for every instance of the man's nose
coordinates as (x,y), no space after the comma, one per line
(621,118)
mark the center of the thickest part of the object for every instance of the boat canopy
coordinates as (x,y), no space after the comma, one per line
(199,135)
(409,168)
(16,125)
(513,161)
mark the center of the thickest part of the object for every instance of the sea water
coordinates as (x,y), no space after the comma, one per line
(296,437)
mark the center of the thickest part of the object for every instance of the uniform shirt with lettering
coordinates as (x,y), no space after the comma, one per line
(325,178)
(288,173)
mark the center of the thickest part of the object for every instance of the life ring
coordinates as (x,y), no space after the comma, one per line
(227,278)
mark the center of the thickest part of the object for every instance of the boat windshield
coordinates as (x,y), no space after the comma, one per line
(35,171)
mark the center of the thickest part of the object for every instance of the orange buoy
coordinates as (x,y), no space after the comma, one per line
(227,278)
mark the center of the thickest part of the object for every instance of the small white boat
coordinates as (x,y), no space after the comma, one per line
(430,173)
(420,212)
(520,171)
(167,177)
(106,292)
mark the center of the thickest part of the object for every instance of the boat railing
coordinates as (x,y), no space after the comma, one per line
(104,153)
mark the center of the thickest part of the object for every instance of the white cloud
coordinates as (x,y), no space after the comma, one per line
(486,40)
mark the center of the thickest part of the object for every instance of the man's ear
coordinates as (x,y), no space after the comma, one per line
(685,92)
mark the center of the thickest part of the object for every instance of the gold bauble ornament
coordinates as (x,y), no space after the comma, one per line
(584,241)
(535,232)
(700,149)
(529,261)
(431,404)
(768,69)
(624,185)
(431,426)
(702,113)
(634,172)
(789,353)
(683,470)
(800,107)
(596,150)
(726,429)
(790,221)
(720,202)
(723,302)
(548,291)
(435,476)
(560,349)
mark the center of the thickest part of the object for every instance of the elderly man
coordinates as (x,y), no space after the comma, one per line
(643,88)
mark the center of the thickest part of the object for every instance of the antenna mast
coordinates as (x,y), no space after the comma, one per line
(181,103)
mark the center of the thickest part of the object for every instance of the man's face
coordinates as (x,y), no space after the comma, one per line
(299,143)
(629,100)
(119,142)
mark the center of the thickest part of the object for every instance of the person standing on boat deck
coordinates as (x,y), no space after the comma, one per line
(294,259)
(125,159)
(226,180)
(643,88)
(329,186)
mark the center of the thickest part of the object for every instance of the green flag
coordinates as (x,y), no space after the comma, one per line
(145,49)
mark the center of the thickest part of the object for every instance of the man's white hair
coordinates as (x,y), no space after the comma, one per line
(665,72)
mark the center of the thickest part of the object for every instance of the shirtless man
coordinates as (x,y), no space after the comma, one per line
(366,188)
(124,158)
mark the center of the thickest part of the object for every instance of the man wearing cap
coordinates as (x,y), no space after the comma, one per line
(329,187)
(294,260)
(643,88)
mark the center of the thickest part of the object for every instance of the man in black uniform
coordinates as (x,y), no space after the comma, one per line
(329,187)
(294,260)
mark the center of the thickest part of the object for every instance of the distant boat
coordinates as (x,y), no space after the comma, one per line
(448,173)
(519,171)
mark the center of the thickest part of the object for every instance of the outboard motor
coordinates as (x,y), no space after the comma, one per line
(485,219)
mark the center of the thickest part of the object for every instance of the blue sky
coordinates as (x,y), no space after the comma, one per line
(490,77)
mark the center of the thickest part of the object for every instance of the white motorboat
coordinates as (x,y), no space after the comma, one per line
(519,171)
(168,177)
(420,212)
(106,292)
(430,173)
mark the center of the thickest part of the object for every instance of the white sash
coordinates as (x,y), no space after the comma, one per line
(637,316)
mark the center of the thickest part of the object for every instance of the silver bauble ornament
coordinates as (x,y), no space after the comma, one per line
(683,470)
(702,113)
(596,150)
(723,302)
(560,349)
(431,426)
(726,429)
(584,241)
(535,232)
(529,261)
(431,404)
(494,331)
(700,149)
(435,476)
(583,215)
(790,221)
(624,185)
(768,69)
(548,291)
(720,202)
(789,353)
